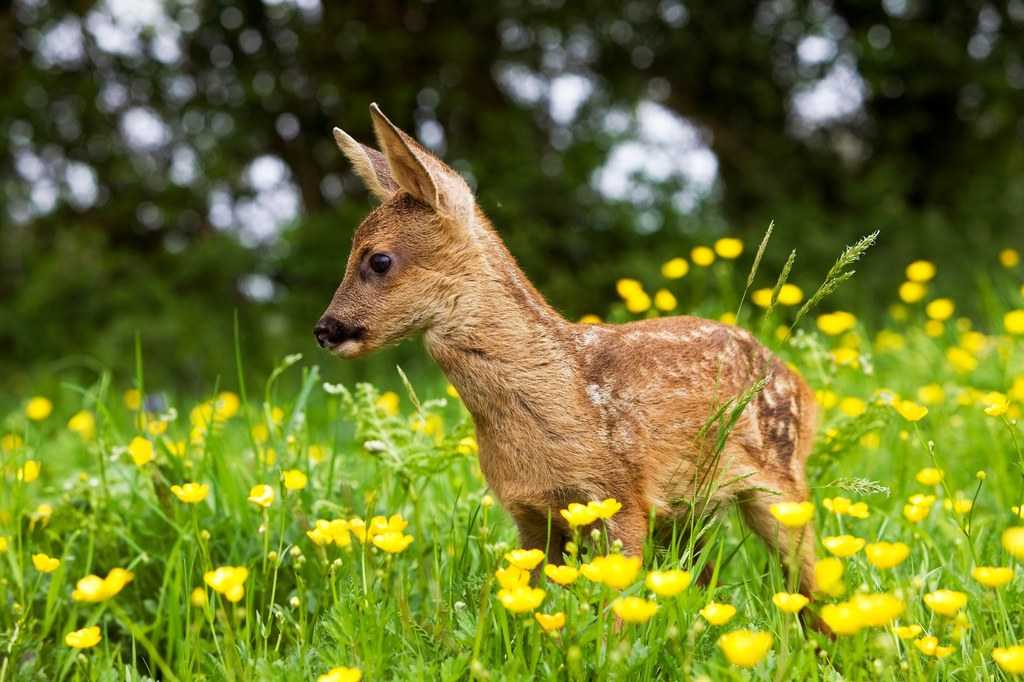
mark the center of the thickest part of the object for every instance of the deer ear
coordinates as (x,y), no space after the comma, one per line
(369,164)
(420,173)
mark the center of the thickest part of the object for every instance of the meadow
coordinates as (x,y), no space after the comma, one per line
(306,530)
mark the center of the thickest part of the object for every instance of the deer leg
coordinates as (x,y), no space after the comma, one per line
(629,526)
(536,533)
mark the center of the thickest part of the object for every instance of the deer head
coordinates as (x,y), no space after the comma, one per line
(409,255)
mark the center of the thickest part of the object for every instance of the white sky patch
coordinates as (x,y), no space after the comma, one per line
(839,95)
(567,93)
(116,25)
(63,44)
(665,146)
(276,201)
(142,129)
(816,49)
(82,187)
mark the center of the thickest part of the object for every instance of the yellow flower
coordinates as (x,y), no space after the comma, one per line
(526,559)
(930,476)
(512,577)
(294,479)
(843,545)
(579,514)
(1013,321)
(929,646)
(960,505)
(45,564)
(262,495)
(190,493)
(228,581)
(563,575)
(932,394)
(941,309)
(392,542)
(10,442)
(843,506)
(844,618)
(84,424)
(38,408)
(790,602)
(626,287)
(590,318)
(912,292)
(878,610)
(836,323)
(325,532)
(718,614)
(92,588)
(605,509)
(84,638)
(728,248)
(29,472)
(198,597)
(521,599)
(634,609)
(945,602)
(745,648)
(388,402)
(906,631)
(910,410)
(1009,659)
(1013,540)
(141,451)
(638,302)
(3,543)
(993,576)
(998,407)
(920,271)
(790,294)
(961,359)
(702,256)
(828,575)
(792,514)
(667,583)
(852,406)
(762,298)
(664,300)
(886,554)
(1009,258)
(358,528)
(341,674)
(675,268)
(551,622)
(468,446)
(615,570)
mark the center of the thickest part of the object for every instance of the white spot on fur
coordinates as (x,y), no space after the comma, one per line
(598,396)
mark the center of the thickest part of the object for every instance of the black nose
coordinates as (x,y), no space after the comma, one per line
(331,332)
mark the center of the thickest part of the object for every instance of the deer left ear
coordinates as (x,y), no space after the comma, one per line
(420,173)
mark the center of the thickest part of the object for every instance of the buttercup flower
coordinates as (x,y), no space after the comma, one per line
(92,588)
(190,493)
(389,402)
(886,554)
(38,408)
(906,631)
(605,509)
(667,583)
(920,271)
(664,300)
(998,407)
(228,581)
(29,471)
(844,618)
(341,674)
(843,545)
(792,514)
(141,451)
(844,507)
(929,476)
(634,609)
(392,524)
(521,599)
(84,638)
(910,410)
(392,542)
(728,248)
(702,256)
(836,323)
(512,577)
(294,479)
(929,646)
(550,622)
(877,610)
(675,268)
(718,614)
(790,603)
(526,559)
(262,495)
(1013,540)
(745,648)
(828,574)
(563,575)
(579,514)
(615,570)
(45,564)
(325,532)
(1009,659)
(992,576)
(945,602)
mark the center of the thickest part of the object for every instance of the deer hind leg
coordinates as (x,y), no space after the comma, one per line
(794,546)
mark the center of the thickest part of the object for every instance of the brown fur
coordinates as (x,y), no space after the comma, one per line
(567,412)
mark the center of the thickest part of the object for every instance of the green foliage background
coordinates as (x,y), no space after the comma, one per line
(931,156)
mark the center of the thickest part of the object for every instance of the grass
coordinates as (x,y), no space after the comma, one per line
(88,479)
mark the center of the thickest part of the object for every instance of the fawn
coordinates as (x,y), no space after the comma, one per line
(565,412)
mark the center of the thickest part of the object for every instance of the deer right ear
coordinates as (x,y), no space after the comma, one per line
(369,164)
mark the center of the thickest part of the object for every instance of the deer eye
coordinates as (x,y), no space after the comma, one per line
(380,262)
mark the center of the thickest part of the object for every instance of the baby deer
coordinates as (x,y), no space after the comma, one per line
(566,412)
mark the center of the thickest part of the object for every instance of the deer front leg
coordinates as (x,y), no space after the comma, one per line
(536,532)
(629,526)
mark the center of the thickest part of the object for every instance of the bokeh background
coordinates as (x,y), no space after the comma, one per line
(166,164)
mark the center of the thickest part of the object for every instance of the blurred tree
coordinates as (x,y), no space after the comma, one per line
(168,162)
